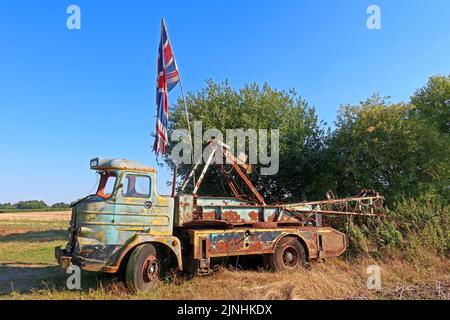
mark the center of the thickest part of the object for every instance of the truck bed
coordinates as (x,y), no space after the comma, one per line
(230,212)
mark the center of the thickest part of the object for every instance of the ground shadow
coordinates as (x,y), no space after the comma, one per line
(23,278)
(35,236)
(245,263)
(26,278)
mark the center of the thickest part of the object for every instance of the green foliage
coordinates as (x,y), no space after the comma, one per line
(357,235)
(33,210)
(377,145)
(253,107)
(6,206)
(410,225)
(387,234)
(392,148)
(426,219)
(31,204)
(373,236)
(401,150)
(60,205)
(432,103)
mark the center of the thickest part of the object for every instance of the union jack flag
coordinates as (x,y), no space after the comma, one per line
(168,78)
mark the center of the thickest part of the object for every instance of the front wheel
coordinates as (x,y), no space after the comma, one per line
(288,255)
(143,269)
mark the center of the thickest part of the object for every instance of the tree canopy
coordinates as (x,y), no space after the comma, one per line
(31,205)
(380,146)
(431,103)
(399,149)
(254,107)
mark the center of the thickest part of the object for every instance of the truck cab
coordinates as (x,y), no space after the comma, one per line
(125,211)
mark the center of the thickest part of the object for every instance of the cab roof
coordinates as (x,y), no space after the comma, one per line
(119,164)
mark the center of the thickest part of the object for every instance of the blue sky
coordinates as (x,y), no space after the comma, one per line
(67,96)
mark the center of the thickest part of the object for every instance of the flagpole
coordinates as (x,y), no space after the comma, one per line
(187,119)
(181,84)
(183,97)
(185,106)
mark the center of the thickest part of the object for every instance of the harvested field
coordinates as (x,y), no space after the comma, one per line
(28,271)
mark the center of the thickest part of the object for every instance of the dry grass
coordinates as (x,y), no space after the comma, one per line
(28,271)
(334,279)
(36,216)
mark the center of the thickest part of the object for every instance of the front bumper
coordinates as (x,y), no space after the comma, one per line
(63,259)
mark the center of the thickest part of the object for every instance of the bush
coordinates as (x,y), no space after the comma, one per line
(31,204)
(61,205)
(426,220)
(412,224)
(7,206)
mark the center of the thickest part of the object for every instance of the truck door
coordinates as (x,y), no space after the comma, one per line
(134,210)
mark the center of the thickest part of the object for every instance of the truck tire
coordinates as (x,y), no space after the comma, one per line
(143,269)
(288,255)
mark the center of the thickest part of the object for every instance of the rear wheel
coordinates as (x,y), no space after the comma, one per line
(289,254)
(143,268)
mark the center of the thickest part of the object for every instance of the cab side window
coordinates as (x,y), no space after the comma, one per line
(135,186)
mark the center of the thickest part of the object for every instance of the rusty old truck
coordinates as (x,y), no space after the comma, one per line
(127,228)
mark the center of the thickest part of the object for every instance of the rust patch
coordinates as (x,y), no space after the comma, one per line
(285,217)
(209,215)
(231,216)
(267,224)
(253,215)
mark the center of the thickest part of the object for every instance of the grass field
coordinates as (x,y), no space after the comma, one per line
(28,271)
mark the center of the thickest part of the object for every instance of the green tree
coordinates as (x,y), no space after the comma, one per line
(254,107)
(31,204)
(401,150)
(60,205)
(378,145)
(6,206)
(432,103)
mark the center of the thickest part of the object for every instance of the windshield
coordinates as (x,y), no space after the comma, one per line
(106,185)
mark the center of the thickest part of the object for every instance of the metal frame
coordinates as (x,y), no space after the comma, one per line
(236,164)
(366,203)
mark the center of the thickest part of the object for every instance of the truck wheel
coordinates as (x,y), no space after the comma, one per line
(288,255)
(143,268)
